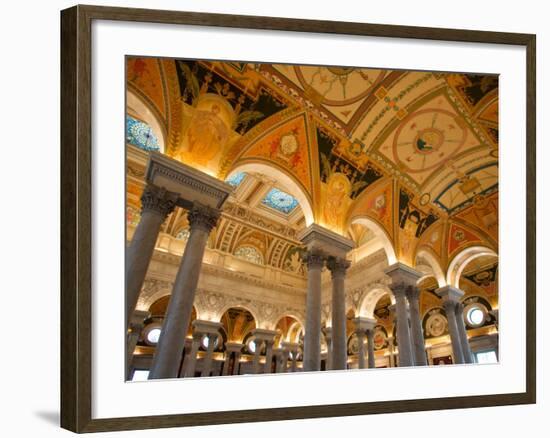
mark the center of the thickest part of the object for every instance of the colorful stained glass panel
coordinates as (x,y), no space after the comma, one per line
(280,201)
(140,134)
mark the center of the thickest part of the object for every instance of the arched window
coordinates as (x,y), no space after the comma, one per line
(140,134)
(250,254)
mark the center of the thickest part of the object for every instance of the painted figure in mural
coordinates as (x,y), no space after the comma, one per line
(209,130)
(207,134)
(338,188)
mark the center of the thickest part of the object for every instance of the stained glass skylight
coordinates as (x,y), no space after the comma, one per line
(236,179)
(141,135)
(280,201)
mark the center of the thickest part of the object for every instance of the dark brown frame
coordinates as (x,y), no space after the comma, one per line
(76,174)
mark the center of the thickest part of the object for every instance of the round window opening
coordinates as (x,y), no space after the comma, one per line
(475,316)
(153,335)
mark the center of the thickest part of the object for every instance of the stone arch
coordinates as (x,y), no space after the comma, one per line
(144,111)
(286,180)
(371,298)
(437,270)
(383,237)
(237,306)
(246,329)
(297,325)
(461,260)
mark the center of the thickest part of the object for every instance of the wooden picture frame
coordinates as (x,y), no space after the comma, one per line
(76,218)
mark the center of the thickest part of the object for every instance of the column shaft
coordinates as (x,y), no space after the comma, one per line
(417,335)
(361,353)
(192,357)
(370,346)
(312,337)
(403,330)
(339,345)
(257,351)
(156,203)
(226,363)
(178,315)
(236,363)
(465,344)
(449,307)
(207,362)
(268,356)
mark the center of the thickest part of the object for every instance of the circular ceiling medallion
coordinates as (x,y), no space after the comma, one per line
(338,86)
(340,71)
(427,139)
(424,199)
(436,325)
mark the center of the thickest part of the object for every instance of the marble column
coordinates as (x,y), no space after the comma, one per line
(328,337)
(450,297)
(207,361)
(186,350)
(169,349)
(312,337)
(338,267)
(258,343)
(231,348)
(237,363)
(278,355)
(403,330)
(268,355)
(320,242)
(417,335)
(370,346)
(191,361)
(156,204)
(365,326)
(403,277)
(291,351)
(360,333)
(466,350)
(134,331)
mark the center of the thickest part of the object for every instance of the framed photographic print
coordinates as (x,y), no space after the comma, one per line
(318,218)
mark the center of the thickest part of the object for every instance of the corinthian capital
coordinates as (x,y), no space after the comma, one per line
(337,266)
(202,217)
(314,259)
(158,200)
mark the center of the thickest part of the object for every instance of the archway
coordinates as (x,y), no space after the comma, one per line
(462,259)
(382,240)
(286,181)
(237,322)
(371,299)
(430,261)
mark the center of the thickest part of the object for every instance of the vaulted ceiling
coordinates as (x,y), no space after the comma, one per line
(415,152)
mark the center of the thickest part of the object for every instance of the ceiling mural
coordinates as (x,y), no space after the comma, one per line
(416,152)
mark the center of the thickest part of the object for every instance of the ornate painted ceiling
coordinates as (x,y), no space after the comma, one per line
(415,153)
